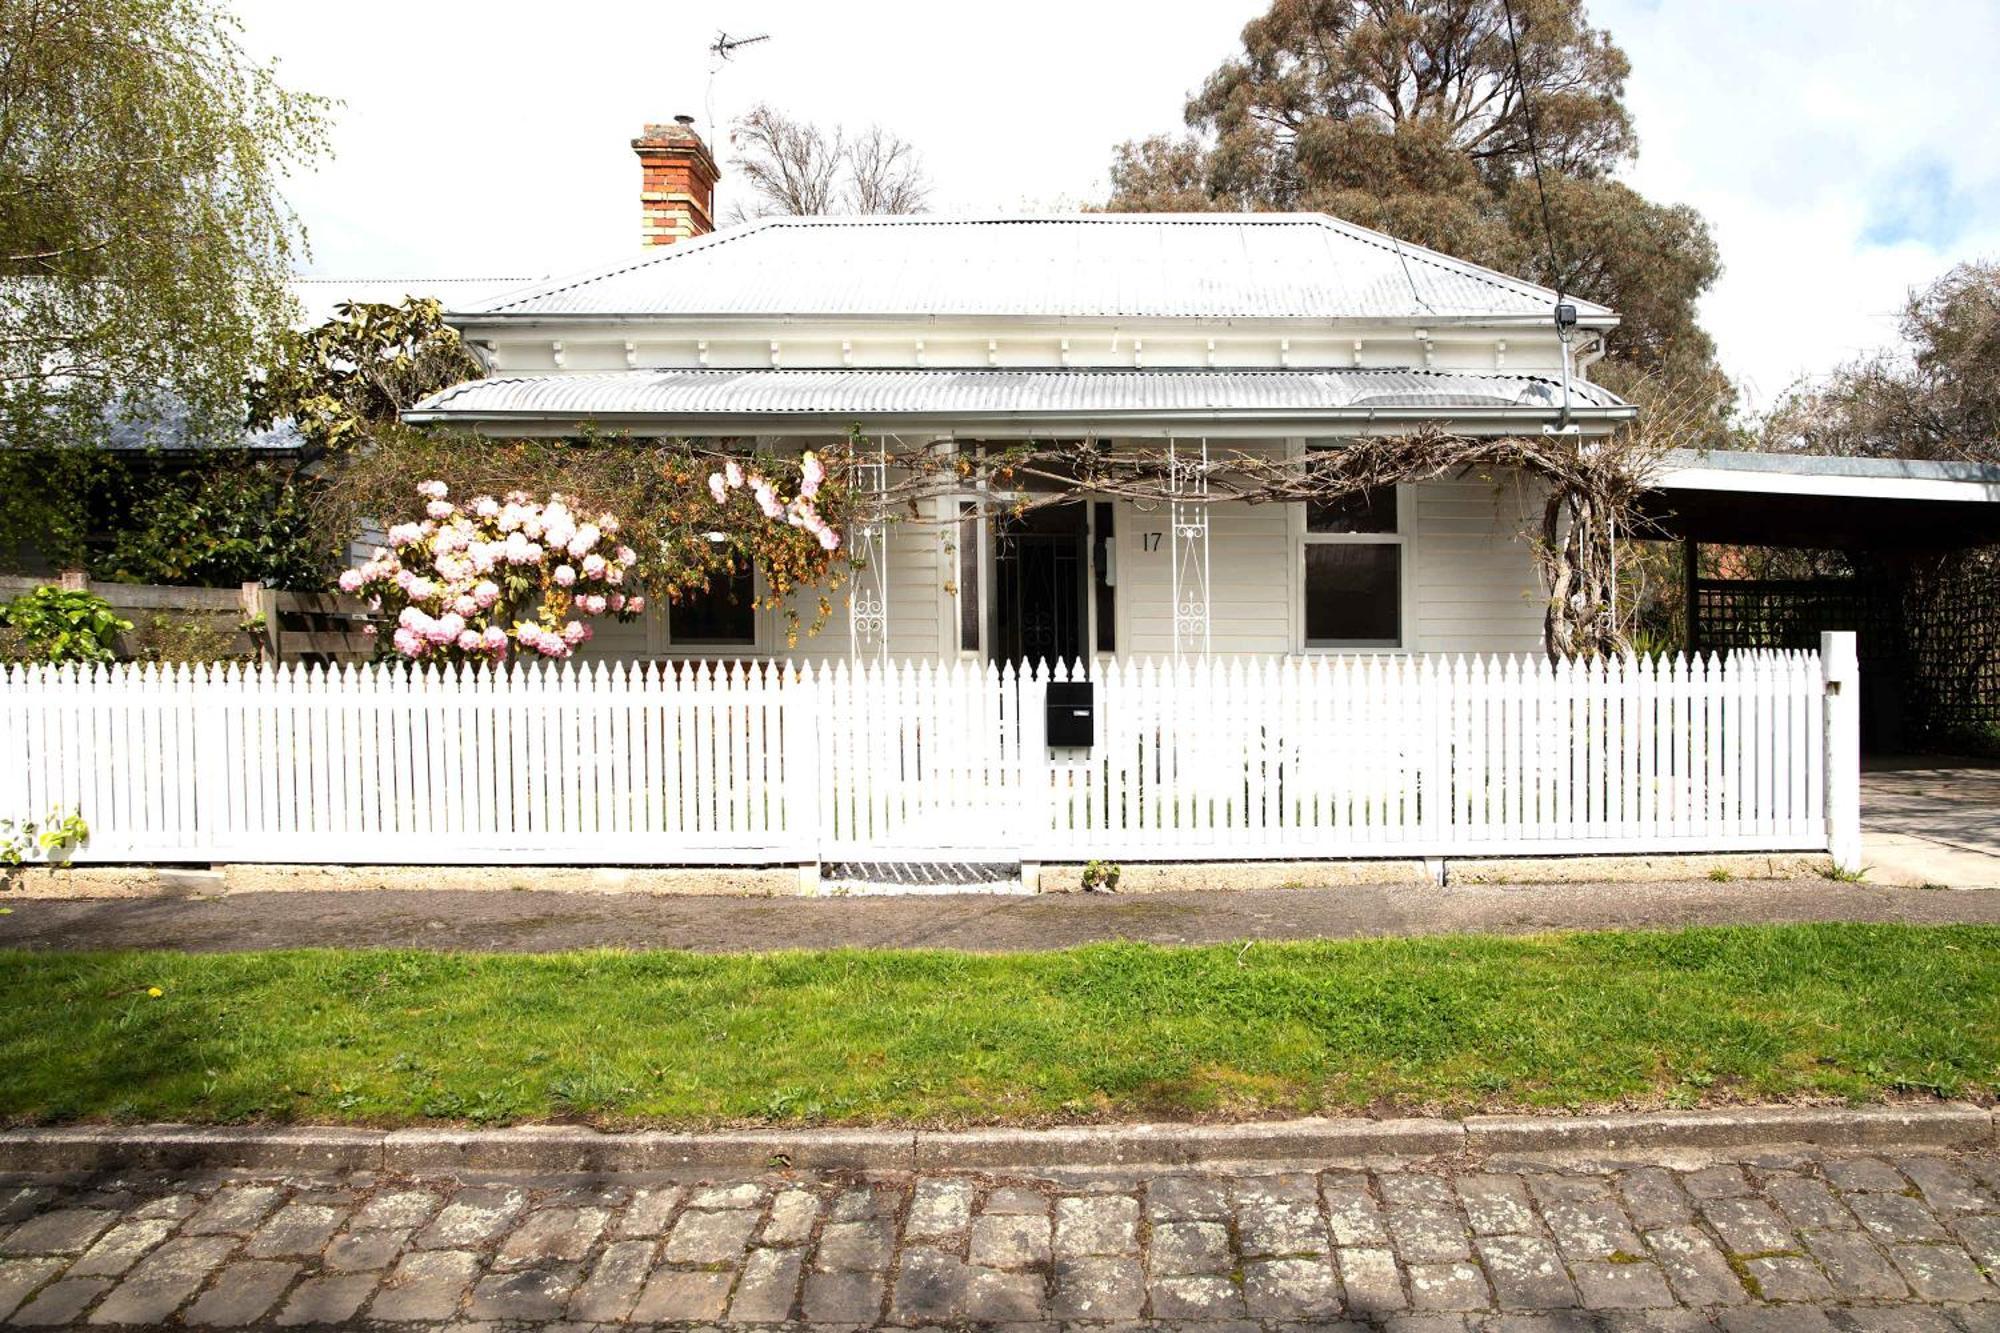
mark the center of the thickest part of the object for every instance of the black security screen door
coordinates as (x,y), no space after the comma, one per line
(1038,585)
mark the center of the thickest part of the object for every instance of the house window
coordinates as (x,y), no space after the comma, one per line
(968,576)
(725,615)
(1104,578)
(1353,553)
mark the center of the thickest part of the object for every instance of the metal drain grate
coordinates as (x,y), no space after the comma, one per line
(920,877)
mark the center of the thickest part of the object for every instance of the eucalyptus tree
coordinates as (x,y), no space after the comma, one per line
(1413,117)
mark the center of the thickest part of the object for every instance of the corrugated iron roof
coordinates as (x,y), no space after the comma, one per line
(1140,265)
(580,396)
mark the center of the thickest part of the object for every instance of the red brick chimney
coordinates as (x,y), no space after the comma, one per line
(677,183)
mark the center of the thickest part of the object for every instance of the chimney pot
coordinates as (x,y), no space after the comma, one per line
(677,178)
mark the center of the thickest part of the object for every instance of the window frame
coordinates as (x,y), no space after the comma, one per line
(758,645)
(1302,538)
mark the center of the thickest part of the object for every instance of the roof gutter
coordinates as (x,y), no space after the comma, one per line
(543,319)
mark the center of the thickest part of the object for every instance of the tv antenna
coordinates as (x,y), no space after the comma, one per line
(721,51)
(724,47)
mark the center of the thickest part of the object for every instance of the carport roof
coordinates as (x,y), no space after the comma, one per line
(1826,503)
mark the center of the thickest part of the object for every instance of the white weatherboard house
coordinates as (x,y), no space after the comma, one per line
(1096,679)
(1279,332)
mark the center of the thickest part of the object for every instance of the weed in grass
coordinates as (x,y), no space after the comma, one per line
(1722,874)
(1842,875)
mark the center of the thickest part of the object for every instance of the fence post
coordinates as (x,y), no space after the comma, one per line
(805,693)
(1036,809)
(1843,749)
(259,602)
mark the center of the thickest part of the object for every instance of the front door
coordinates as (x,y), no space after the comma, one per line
(1039,588)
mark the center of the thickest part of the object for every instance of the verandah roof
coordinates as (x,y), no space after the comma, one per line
(767,401)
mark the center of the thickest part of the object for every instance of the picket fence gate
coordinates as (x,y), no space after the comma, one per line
(760,763)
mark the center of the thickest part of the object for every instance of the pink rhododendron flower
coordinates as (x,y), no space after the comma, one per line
(829,540)
(585,538)
(407,643)
(469,640)
(486,507)
(465,604)
(594,604)
(439,509)
(433,490)
(811,473)
(732,474)
(485,593)
(635,605)
(564,576)
(717,487)
(575,632)
(616,601)
(593,565)
(350,580)
(626,555)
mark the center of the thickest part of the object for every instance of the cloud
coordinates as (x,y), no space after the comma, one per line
(1827,144)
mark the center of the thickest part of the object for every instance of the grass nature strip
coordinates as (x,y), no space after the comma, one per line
(1449,1024)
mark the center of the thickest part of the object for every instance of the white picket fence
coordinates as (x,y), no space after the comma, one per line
(1313,757)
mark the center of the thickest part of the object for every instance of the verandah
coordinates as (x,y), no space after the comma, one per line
(1302,757)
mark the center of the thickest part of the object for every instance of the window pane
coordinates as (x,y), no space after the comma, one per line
(1363,511)
(724,614)
(1353,592)
(1107,595)
(968,577)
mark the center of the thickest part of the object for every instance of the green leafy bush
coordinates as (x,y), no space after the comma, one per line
(50,624)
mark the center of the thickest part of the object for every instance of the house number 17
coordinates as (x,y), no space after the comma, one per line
(1149,541)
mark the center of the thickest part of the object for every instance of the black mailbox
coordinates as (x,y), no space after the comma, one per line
(1072,713)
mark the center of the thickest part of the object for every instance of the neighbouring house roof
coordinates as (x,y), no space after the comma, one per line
(320,297)
(730,401)
(1098,265)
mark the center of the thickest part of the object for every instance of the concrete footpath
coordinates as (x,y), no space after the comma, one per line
(536,921)
(1651,1235)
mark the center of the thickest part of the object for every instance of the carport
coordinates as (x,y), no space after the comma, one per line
(1922,597)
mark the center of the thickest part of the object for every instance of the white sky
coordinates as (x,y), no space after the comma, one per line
(1839,148)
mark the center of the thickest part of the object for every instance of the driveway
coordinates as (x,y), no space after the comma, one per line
(1931,820)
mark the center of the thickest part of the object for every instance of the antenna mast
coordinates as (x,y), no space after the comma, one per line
(721,51)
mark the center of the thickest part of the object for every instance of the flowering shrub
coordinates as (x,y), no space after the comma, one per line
(480,581)
(789,530)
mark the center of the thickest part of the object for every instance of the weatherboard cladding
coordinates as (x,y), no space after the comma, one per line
(947,392)
(1195,266)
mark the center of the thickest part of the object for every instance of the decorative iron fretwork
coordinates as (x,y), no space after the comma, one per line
(1187,489)
(868,548)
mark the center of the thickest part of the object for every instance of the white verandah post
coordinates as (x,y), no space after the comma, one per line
(1843,749)
(868,555)
(1187,486)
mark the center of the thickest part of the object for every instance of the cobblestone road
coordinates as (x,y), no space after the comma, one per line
(1782,1242)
